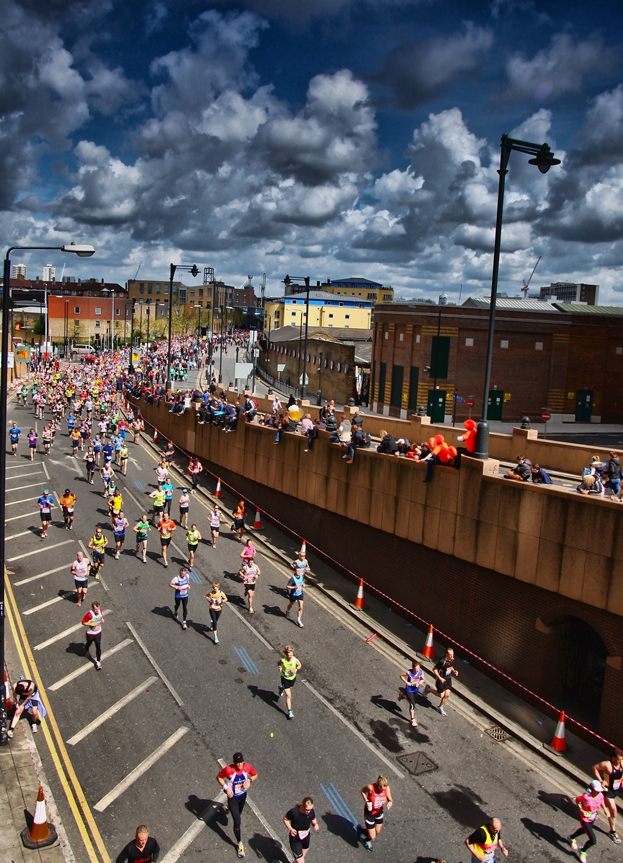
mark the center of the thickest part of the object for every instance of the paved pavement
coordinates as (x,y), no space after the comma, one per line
(141,741)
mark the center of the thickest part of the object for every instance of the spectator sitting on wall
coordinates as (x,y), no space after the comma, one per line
(343,433)
(312,435)
(250,409)
(328,410)
(591,483)
(388,444)
(613,470)
(598,466)
(357,419)
(521,471)
(307,424)
(357,439)
(403,446)
(202,414)
(540,475)
(232,417)
(291,401)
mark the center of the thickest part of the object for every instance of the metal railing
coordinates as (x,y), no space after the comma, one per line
(279,385)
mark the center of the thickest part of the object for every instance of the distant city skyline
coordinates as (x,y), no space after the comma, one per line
(332,138)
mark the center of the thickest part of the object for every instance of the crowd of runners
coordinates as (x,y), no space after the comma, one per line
(84,412)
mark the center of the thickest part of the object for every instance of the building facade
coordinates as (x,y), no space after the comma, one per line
(569,292)
(92,320)
(325,310)
(567,358)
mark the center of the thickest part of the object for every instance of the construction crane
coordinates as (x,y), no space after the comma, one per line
(526,284)
(137,269)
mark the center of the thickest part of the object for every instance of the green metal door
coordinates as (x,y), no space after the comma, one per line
(583,406)
(496,402)
(436,405)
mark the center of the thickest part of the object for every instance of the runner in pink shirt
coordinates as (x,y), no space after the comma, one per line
(589,805)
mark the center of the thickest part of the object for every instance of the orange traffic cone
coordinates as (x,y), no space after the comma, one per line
(41,833)
(359,603)
(257,524)
(428,651)
(304,547)
(558,741)
(155,435)
(217,493)
(8,703)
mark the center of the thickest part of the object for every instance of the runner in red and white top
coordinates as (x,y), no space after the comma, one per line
(376,796)
(93,620)
(589,805)
(236,779)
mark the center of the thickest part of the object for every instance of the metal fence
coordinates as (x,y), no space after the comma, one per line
(276,383)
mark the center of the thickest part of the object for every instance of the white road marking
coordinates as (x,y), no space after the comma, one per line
(43,605)
(84,668)
(258,814)
(64,634)
(41,575)
(16,467)
(24,500)
(140,506)
(45,469)
(355,731)
(138,771)
(103,717)
(20,487)
(186,839)
(23,515)
(135,463)
(154,664)
(20,475)
(248,625)
(39,550)
(16,535)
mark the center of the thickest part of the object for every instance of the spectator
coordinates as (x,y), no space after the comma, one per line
(313,434)
(357,419)
(591,484)
(540,475)
(307,424)
(291,401)
(403,446)
(613,469)
(388,444)
(598,466)
(343,433)
(357,439)
(521,471)
(276,406)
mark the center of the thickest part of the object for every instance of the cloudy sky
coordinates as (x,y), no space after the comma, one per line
(328,138)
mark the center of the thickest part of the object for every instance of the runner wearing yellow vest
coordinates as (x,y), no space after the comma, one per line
(289,666)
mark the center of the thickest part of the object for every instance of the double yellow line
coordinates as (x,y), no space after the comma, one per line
(71,786)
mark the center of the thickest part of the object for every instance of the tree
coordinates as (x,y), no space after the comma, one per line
(38,327)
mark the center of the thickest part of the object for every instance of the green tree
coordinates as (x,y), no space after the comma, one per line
(38,326)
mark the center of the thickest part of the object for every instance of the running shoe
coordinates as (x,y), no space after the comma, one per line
(175,614)
(216,639)
(98,666)
(251,610)
(573,843)
(442,711)
(615,837)
(367,844)
(290,714)
(582,856)
(184,626)
(34,728)
(288,614)
(9,733)
(414,723)
(298,623)
(426,690)
(280,690)
(240,849)
(144,560)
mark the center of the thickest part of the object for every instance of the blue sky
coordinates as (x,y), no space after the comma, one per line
(328,138)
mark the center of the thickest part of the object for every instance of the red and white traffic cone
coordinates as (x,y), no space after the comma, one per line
(155,435)
(8,703)
(218,492)
(428,651)
(359,603)
(558,741)
(304,547)
(257,524)
(41,833)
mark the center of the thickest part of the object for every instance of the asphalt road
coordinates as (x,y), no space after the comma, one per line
(187,703)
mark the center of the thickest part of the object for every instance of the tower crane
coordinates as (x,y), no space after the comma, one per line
(526,284)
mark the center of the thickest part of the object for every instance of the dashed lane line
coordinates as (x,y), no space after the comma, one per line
(139,770)
(23,500)
(155,665)
(17,535)
(38,550)
(20,475)
(63,634)
(84,668)
(107,714)
(187,838)
(23,515)
(41,575)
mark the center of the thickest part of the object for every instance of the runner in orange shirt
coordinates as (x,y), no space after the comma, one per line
(166,526)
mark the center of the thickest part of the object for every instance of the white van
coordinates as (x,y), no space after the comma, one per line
(81,350)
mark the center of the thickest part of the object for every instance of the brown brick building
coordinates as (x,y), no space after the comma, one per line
(566,357)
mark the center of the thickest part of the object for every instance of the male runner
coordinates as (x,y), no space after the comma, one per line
(93,621)
(46,502)
(68,503)
(298,820)
(166,526)
(610,773)
(181,585)
(14,436)
(119,525)
(141,529)
(296,585)
(80,572)
(483,842)
(97,544)
(289,666)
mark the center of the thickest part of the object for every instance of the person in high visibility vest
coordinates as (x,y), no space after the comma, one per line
(483,842)
(97,544)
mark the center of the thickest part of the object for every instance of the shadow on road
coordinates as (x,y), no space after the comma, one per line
(547,833)
(341,827)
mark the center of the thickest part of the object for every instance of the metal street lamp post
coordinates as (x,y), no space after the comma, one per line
(131,365)
(543,158)
(194,271)
(305,279)
(83,252)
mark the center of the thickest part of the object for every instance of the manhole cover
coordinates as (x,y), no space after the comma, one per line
(238,680)
(417,762)
(497,733)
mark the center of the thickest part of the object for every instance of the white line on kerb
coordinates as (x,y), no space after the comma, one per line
(155,665)
(138,771)
(103,717)
(355,731)
(84,668)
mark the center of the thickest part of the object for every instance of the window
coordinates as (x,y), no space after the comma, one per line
(504,344)
(166,290)
(141,290)
(200,292)
(382,377)
(76,310)
(339,367)
(440,357)
(346,326)
(332,364)
(277,314)
(174,290)
(372,296)
(346,317)
(331,315)
(469,343)
(98,324)
(386,336)
(76,325)
(538,346)
(417,339)
(293,314)
(118,312)
(402,337)
(150,288)
(361,306)
(387,297)
(341,304)
(413,385)
(618,351)
(397,379)
(97,310)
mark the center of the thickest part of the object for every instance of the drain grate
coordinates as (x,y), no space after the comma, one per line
(496,733)
(417,763)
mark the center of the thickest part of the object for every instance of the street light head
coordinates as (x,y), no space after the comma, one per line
(194,270)
(80,250)
(544,159)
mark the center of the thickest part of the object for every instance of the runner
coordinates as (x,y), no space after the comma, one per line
(141,529)
(14,436)
(610,773)
(46,439)
(296,585)
(75,442)
(412,678)
(89,458)
(142,849)
(168,488)
(93,621)
(443,672)
(589,805)
(236,780)
(119,525)
(68,503)
(32,443)
(238,526)
(162,471)
(169,453)
(249,573)
(123,458)
(136,426)
(483,842)
(215,523)
(80,572)
(46,502)
(181,584)
(298,820)
(158,497)
(166,526)
(27,700)
(194,469)
(248,552)
(193,538)
(97,544)
(217,599)
(289,666)
(376,796)
(184,504)
(107,475)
